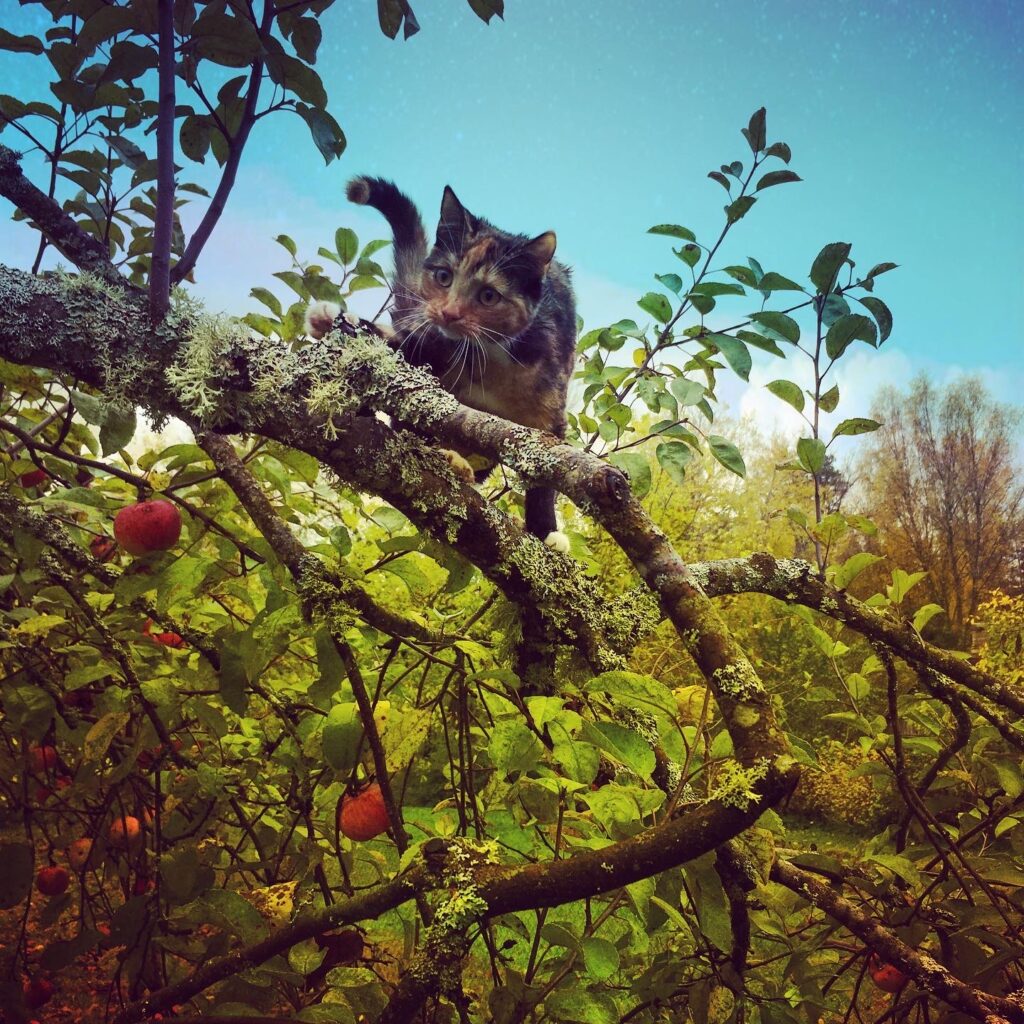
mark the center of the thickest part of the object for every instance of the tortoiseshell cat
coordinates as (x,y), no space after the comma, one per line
(492,314)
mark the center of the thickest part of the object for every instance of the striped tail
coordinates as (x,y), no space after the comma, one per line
(402,215)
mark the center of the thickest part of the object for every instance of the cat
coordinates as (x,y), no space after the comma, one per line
(491,314)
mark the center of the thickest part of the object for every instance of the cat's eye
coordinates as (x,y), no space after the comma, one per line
(443,276)
(489,296)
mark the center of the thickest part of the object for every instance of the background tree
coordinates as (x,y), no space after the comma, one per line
(944,487)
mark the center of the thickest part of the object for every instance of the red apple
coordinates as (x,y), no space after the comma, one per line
(147,526)
(168,640)
(42,759)
(37,992)
(34,478)
(125,831)
(363,815)
(885,976)
(52,881)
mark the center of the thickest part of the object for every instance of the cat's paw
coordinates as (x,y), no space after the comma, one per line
(460,466)
(557,541)
(320,317)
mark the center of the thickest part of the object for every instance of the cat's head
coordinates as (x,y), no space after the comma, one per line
(479,282)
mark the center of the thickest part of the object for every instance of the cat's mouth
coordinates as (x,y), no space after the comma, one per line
(453,332)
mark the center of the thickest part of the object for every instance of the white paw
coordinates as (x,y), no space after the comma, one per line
(320,317)
(558,541)
(462,469)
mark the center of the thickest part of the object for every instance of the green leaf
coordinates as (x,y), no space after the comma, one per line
(776,178)
(269,299)
(636,467)
(727,454)
(576,1004)
(845,331)
(781,150)
(346,244)
(925,614)
(788,392)
(759,341)
(880,268)
(736,354)
(600,958)
(325,131)
(673,231)
(772,282)
(856,425)
(902,583)
(305,957)
(689,254)
(194,137)
(513,748)
(292,75)
(754,133)
(118,429)
(830,399)
(852,568)
(709,901)
(657,305)
(287,243)
(101,734)
(781,326)
(622,745)
(721,179)
(487,9)
(811,453)
(578,760)
(880,311)
(827,264)
(739,208)
(673,457)
(343,730)
(686,392)
(16,877)
(742,274)
(306,38)
(673,282)
(20,44)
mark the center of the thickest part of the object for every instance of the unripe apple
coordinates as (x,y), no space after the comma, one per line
(147,526)
(125,831)
(363,815)
(42,759)
(79,852)
(52,881)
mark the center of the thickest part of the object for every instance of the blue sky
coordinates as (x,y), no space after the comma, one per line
(599,119)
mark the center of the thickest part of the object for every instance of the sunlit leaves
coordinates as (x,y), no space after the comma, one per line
(727,454)
(657,305)
(788,392)
(856,425)
(673,231)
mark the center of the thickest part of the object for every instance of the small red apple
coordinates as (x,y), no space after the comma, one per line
(102,548)
(34,478)
(363,815)
(125,831)
(885,976)
(42,759)
(143,885)
(52,881)
(147,526)
(37,992)
(168,640)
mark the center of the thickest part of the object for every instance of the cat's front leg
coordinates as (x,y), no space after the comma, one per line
(320,318)
(541,520)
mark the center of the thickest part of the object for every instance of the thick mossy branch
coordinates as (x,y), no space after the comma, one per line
(209,371)
(797,582)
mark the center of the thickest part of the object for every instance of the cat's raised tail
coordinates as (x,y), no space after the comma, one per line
(403,216)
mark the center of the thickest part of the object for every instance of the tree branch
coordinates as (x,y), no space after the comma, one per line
(84,251)
(160,265)
(926,971)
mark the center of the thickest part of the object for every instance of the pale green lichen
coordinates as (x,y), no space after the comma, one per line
(738,680)
(746,716)
(735,785)
(196,370)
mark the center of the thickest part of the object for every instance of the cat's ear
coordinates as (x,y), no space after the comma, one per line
(542,249)
(453,213)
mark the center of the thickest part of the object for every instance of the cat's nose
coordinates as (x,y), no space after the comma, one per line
(449,316)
